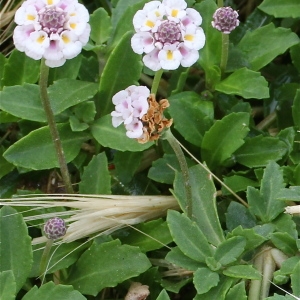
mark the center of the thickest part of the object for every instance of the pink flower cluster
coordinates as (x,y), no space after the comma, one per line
(130,106)
(52,29)
(168,33)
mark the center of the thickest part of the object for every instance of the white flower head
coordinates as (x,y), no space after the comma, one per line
(168,33)
(130,106)
(52,29)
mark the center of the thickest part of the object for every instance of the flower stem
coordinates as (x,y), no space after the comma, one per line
(220,3)
(184,169)
(44,259)
(156,81)
(224,55)
(53,128)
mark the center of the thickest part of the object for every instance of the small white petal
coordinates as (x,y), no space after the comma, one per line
(119,97)
(192,17)
(147,18)
(116,120)
(189,57)
(175,9)
(21,36)
(194,39)
(142,42)
(169,58)
(134,129)
(55,63)
(53,52)
(151,60)
(26,14)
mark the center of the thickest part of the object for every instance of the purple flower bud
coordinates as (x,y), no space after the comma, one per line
(225,19)
(55,228)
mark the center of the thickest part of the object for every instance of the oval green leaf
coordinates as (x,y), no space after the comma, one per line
(115,138)
(15,245)
(36,150)
(223,138)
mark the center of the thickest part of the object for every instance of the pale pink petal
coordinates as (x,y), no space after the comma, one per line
(142,42)
(192,17)
(134,129)
(189,57)
(151,60)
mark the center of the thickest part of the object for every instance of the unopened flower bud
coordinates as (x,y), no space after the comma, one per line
(225,19)
(55,228)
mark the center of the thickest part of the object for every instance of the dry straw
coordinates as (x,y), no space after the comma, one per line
(91,214)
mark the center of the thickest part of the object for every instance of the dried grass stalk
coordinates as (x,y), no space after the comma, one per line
(90,214)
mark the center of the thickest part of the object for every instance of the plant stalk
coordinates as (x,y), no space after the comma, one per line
(44,260)
(44,72)
(220,3)
(156,80)
(184,169)
(224,55)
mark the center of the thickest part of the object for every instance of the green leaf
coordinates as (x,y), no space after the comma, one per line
(51,291)
(286,269)
(204,202)
(66,92)
(242,271)
(296,109)
(126,164)
(218,292)
(100,26)
(69,69)
(205,279)
(238,215)
(264,203)
(290,194)
(123,68)
(23,101)
(285,223)
(62,256)
(106,265)
(294,51)
(76,125)
(230,250)
(7,285)
(15,246)
(245,83)
(148,236)
(210,54)
(122,17)
(20,69)
(5,166)
(263,44)
(279,9)
(115,138)
(36,150)
(238,291)
(238,183)
(96,178)
(187,235)
(223,138)
(295,280)
(176,257)
(3,61)
(252,237)
(259,150)
(284,242)
(163,169)
(85,111)
(163,295)
(195,119)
